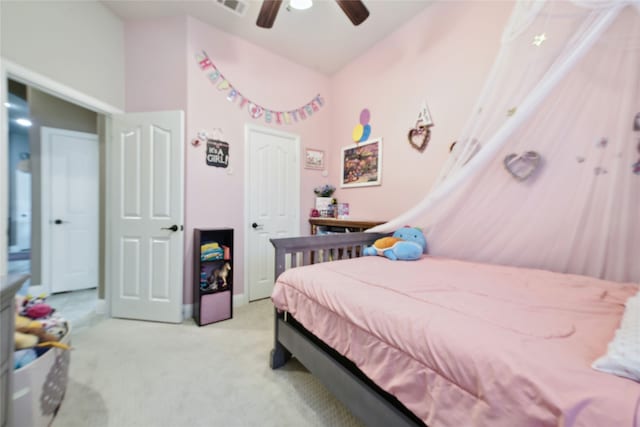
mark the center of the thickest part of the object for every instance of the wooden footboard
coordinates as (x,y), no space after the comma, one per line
(365,399)
(298,251)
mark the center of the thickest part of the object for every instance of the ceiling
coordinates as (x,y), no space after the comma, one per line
(321,38)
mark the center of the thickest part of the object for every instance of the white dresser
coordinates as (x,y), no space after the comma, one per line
(9,285)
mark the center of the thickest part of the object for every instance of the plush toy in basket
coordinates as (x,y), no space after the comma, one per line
(41,362)
(405,244)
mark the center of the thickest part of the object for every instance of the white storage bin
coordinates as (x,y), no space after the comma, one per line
(39,387)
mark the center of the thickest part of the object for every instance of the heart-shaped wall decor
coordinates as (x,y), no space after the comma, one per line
(522,166)
(419,137)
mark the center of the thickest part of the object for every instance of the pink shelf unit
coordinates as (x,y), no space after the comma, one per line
(215,307)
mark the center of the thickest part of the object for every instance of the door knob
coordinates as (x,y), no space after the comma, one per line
(58,221)
(255,225)
(172,228)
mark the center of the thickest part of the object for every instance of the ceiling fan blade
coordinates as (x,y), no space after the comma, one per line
(355,10)
(268,13)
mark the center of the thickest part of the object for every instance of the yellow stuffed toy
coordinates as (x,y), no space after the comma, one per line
(25,340)
(30,333)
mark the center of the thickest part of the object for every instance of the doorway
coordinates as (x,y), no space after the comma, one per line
(19,180)
(35,242)
(70,209)
(272,201)
(166,196)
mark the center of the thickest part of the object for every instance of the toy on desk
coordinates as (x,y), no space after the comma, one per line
(405,244)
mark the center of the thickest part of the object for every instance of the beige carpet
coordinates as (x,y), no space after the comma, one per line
(128,373)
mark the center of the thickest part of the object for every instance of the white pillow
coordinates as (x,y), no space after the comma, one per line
(623,353)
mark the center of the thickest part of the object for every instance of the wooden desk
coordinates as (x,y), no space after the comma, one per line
(343,224)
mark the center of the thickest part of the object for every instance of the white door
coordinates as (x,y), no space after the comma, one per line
(146,193)
(70,209)
(272,199)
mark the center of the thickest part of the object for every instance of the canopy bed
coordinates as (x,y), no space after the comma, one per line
(447,342)
(533,237)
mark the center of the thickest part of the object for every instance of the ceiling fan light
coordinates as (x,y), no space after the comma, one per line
(300,4)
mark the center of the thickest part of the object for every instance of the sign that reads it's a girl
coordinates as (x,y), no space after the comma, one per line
(217,153)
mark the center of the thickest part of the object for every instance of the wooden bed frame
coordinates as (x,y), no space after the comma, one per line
(372,405)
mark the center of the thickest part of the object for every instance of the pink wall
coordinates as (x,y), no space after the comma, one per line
(155,71)
(215,196)
(442,56)
(162,74)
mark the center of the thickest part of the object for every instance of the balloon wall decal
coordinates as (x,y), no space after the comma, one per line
(362,131)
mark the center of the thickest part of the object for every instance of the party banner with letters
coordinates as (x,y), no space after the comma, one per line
(255,110)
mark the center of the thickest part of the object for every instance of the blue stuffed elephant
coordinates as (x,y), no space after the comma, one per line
(405,244)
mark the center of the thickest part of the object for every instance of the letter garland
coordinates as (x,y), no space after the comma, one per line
(256,111)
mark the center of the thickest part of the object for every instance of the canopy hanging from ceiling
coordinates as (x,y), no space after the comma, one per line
(546,173)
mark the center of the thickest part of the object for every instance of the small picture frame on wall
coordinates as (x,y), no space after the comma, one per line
(361,164)
(313,159)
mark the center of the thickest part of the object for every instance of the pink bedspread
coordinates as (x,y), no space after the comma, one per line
(466,344)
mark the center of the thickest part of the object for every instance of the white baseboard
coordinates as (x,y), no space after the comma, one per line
(187,309)
(238,300)
(101,306)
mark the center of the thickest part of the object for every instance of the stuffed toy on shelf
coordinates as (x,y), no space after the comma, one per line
(406,244)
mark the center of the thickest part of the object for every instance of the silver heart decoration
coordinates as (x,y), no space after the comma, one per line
(522,166)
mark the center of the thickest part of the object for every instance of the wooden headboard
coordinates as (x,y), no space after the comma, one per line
(295,251)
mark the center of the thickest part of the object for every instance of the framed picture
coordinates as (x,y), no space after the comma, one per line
(313,159)
(361,164)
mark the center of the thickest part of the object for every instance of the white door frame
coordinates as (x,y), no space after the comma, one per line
(9,69)
(45,203)
(247,221)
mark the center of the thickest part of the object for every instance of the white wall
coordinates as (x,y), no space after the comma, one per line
(78,44)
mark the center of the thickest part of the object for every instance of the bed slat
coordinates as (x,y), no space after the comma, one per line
(321,248)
